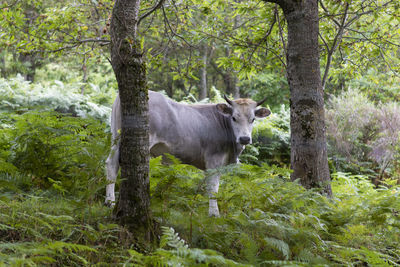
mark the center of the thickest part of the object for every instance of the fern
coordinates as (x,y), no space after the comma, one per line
(279,245)
(17,94)
(182,255)
(171,239)
(283,263)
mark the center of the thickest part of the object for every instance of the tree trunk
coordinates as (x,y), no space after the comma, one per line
(308,142)
(3,71)
(203,76)
(133,208)
(235,85)
(235,80)
(230,79)
(85,76)
(30,63)
(170,85)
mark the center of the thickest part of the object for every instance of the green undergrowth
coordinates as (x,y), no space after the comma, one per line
(266,220)
(18,95)
(53,150)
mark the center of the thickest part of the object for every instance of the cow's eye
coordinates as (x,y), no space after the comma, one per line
(252,120)
(233,118)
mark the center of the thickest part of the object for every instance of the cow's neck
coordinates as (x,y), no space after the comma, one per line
(234,149)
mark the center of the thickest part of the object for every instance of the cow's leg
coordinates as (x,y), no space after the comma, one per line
(212,188)
(213,184)
(112,165)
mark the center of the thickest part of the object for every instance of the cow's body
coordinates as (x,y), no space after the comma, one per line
(201,135)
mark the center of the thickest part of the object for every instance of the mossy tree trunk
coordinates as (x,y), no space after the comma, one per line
(133,208)
(309,159)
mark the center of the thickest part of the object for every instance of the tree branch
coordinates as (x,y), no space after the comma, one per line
(75,44)
(264,39)
(335,44)
(281,34)
(172,30)
(155,7)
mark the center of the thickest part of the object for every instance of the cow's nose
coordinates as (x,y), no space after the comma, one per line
(244,140)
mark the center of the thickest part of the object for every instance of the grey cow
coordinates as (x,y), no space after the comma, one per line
(207,136)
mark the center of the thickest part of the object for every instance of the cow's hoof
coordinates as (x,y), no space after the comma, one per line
(216,215)
(109,203)
(213,212)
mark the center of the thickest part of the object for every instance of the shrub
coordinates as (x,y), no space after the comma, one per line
(16,94)
(363,136)
(66,153)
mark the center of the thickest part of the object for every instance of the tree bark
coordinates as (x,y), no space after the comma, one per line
(133,208)
(309,159)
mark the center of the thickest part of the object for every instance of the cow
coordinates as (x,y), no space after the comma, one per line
(206,136)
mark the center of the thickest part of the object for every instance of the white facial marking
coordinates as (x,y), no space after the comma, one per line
(242,123)
(242,113)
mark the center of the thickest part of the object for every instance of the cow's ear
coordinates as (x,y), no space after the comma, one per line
(262,112)
(224,109)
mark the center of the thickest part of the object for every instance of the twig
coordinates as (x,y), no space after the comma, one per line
(172,30)
(157,6)
(335,44)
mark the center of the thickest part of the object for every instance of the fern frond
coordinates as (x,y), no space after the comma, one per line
(171,239)
(283,263)
(279,245)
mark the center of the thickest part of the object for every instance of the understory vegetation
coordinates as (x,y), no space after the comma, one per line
(265,220)
(52,182)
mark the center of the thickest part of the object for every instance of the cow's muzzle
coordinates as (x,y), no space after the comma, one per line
(244,140)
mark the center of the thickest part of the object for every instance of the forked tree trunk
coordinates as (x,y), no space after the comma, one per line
(133,207)
(309,159)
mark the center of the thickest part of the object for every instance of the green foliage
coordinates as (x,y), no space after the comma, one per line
(54,150)
(367,53)
(268,220)
(268,85)
(378,86)
(180,254)
(52,165)
(50,26)
(45,229)
(41,229)
(19,95)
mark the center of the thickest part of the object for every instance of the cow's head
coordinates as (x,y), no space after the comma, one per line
(242,113)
